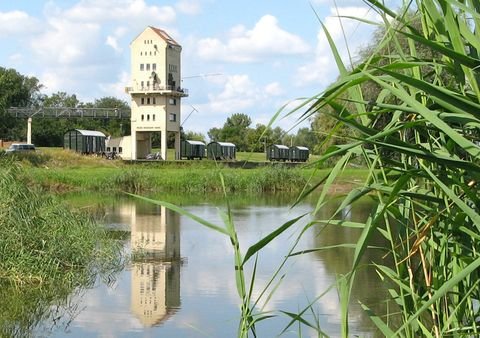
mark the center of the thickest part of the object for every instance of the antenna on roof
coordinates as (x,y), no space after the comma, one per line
(194,109)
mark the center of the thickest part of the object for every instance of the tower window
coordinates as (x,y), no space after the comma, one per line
(172,101)
(154,100)
(141,66)
(143,117)
(143,100)
(172,117)
(148,117)
(148,100)
(148,66)
(153,119)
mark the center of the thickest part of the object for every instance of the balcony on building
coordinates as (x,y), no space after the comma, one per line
(158,89)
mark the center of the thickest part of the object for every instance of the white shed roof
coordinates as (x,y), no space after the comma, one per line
(226,144)
(90,132)
(280,146)
(195,142)
(301,148)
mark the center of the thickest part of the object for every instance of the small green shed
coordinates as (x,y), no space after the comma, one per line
(298,154)
(277,152)
(84,141)
(221,151)
(190,149)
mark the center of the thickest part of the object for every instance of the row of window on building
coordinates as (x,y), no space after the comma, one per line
(148,100)
(147,53)
(172,117)
(146,66)
(153,66)
(114,149)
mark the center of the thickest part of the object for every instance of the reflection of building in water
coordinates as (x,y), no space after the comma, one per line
(155,240)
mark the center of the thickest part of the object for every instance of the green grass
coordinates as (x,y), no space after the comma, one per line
(59,170)
(144,178)
(41,240)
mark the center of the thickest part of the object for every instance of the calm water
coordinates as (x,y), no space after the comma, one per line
(182,283)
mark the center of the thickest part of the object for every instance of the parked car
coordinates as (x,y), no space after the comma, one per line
(20,148)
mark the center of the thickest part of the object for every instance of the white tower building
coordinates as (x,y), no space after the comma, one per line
(155,94)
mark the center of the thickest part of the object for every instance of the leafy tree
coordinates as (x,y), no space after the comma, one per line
(214,134)
(191,135)
(16,90)
(234,130)
(305,137)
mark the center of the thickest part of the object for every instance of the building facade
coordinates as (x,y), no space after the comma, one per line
(155,93)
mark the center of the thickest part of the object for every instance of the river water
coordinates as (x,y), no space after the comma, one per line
(181,279)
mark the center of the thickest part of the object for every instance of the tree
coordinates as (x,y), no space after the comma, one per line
(234,130)
(305,137)
(16,90)
(191,135)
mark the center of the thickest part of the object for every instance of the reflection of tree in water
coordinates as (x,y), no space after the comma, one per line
(155,240)
(368,288)
(32,311)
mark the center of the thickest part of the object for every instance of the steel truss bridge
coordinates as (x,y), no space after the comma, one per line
(65,112)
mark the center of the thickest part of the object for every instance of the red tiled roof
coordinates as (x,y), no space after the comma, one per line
(164,35)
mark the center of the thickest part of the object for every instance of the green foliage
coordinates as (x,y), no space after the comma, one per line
(35,159)
(41,241)
(191,135)
(423,161)
(16,90)
(129,180)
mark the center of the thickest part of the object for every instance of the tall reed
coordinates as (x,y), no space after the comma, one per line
(424,163)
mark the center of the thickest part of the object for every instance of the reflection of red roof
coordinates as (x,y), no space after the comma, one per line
(164,35)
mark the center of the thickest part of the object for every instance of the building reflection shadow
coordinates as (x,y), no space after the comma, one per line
(156,261)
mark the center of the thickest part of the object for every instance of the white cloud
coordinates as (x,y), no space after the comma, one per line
(17,23)
(238,94)
(266,39)
(16,58)
(323,69)
(274,89)
(189,7)
(66,43)
(120,10)
(112,42)
(117,88)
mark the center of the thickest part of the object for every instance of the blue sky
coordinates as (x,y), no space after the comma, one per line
(264,53)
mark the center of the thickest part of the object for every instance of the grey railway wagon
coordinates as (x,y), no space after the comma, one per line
(192,149)
(298,154)
(84,141)
(277,152)
(221,151)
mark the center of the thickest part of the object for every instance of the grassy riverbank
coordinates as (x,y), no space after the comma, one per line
(62,171)
(44,242)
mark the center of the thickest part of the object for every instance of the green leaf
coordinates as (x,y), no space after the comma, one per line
(252,250)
